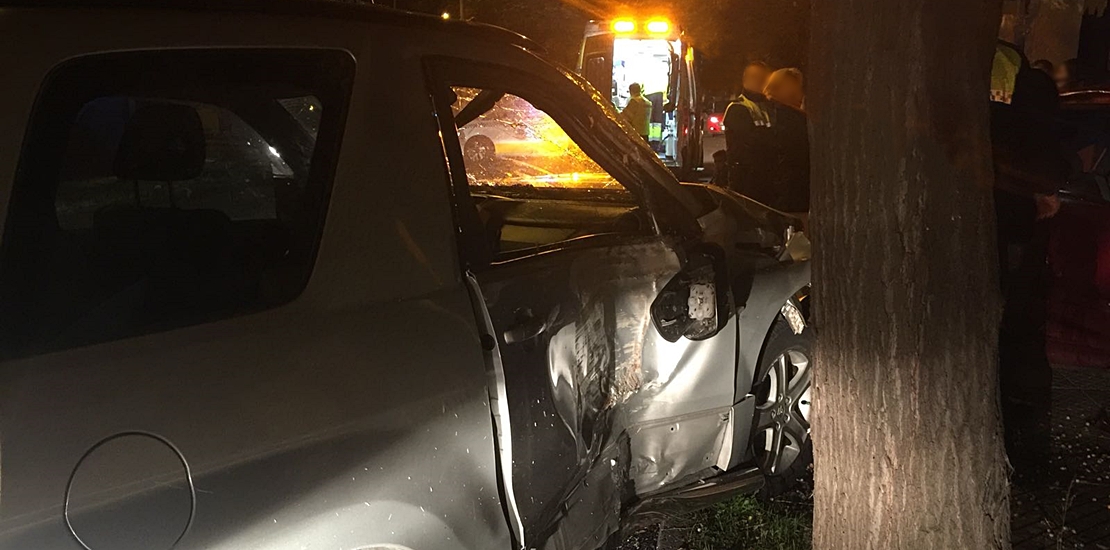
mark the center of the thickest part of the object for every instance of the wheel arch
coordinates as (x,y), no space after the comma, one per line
(771,290)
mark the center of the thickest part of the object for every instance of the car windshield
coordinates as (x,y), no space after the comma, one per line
(508,142)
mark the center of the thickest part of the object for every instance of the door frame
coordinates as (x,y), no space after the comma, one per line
(631,163)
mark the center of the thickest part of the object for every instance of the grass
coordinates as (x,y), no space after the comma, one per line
(747,522)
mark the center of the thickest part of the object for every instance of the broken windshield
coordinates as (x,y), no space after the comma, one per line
(508,142)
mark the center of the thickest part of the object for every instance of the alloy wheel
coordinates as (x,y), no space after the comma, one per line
(782,412)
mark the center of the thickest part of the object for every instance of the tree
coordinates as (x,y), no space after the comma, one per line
(907,430)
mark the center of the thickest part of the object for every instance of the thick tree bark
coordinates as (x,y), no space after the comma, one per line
(907,430)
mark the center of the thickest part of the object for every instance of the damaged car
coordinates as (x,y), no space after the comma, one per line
(257,291)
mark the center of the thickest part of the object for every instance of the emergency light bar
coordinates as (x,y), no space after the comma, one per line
(624,26)
(628,26)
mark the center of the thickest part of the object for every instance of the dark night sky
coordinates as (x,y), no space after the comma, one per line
(729,32)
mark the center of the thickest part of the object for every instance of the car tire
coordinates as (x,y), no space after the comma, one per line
(780,439)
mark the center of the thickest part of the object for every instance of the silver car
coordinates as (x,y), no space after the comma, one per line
(254,293)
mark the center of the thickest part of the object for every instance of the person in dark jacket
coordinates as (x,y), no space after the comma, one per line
(767,146)
(787,86)
(1030,167)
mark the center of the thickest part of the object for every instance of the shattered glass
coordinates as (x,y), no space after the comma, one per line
(513,143)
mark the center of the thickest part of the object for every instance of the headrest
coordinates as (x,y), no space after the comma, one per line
(161,142)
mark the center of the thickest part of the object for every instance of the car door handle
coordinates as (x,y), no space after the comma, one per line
(528,326)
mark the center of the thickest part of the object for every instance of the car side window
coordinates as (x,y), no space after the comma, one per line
(151,200)
(531,182)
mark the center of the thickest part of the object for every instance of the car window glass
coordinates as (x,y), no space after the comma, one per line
(513,143)
(237,177)
(532,185)
(145,206)
(306,111)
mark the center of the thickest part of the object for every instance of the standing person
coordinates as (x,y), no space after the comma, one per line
(638,111)
(786,89)
(745,120)
(746,124)
(786,86)
(767,144)
(1030,167)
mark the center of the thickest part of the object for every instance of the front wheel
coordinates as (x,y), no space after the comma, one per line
(780,434)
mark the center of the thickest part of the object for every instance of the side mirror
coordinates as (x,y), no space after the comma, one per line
(693,303)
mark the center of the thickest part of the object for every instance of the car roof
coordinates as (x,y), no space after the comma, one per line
(323,9)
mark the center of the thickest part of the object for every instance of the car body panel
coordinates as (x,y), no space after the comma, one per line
(315,442)
(319,447)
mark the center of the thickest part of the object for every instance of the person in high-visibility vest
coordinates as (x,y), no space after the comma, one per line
(768,151)
(1004,70)
(1030,167)
(638,111)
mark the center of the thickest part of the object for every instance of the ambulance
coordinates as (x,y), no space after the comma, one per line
(656,54)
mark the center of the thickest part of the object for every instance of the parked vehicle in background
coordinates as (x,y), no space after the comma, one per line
(714,108)
(260,288)
(1079,248)
(714,138)
(656,54)
(714,124)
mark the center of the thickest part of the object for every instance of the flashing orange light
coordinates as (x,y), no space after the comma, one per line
(624,25)
(658,27)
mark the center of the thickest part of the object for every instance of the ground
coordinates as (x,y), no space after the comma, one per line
(1066,507)
(1071,507)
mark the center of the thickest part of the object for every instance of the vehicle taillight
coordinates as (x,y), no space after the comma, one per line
(713,124)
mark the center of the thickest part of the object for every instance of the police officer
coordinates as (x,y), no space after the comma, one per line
(767,145)
(1030,166)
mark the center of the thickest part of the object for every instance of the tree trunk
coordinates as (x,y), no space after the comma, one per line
(907,430)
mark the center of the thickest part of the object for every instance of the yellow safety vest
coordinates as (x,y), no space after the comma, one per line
(1004,71)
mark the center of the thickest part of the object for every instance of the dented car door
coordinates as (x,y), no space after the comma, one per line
(572,353)
(569,263)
